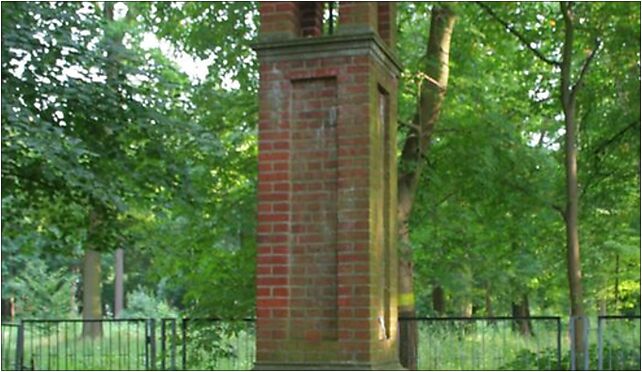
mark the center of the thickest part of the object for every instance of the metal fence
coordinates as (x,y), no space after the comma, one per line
(618,343)
(9,342)
(115,344)
(489,343)
(498,343)
(128,344)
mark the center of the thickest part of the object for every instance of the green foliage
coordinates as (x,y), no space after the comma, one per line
(143,304)
(486,220)
(169,164)
(42,293)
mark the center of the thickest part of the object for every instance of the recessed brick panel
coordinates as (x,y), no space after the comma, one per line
(314,209)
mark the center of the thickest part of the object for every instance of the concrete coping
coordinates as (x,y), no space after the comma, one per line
(329,46)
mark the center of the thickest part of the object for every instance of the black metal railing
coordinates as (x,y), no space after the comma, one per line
(447,343)
(489,343)
(10,333)
(618,343)
(63,344)
(217,344)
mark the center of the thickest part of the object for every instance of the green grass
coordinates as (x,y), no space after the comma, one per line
(460,345)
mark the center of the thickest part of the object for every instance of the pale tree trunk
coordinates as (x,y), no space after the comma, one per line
(467,308)
(412,162)
(92,306)
(119,287)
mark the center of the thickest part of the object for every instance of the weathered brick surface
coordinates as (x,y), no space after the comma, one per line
(326,260)
(314,209)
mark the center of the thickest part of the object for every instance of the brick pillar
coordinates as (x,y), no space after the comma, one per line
(326,259)
(386,22)
(358,16)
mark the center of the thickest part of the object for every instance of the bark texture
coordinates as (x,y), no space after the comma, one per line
(433,91)
(521,309)
(119,287)
(92,308)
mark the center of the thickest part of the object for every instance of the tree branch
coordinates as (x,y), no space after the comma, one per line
(615,137)
(585,66)
(517,34)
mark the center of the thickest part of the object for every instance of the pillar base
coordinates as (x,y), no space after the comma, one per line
(395,366)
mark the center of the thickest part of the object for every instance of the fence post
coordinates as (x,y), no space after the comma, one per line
(152,343)
(571,329)
(20,347)
(599,343)
(559,343)
(163,348)
(585,347)
(173,347)
(184,326)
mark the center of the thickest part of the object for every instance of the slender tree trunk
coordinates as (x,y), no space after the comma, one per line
(8,309)
(92,307)
(467,308)
(616,289)
(488,304)
(73,291)
(574,270)
(521,309)
(438,300)
(412,161)
(119,290)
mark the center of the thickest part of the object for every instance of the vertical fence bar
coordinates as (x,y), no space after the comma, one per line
(184,351)
(571,329)
(163,344)
(600,357)
(559,343)
(173,347)
(152,343)
(20,346)
(585,335)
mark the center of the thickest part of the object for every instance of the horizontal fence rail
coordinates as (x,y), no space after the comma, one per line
(445,343)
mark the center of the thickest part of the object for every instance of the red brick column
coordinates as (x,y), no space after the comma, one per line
(357,16)
(326,260)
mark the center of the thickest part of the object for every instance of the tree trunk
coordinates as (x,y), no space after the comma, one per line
(488,304)
(521,309)
(92,308)
(438,300)
(467,309)
(616,289)
(119,293)
(8,309)
(574,271)
(412,161)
